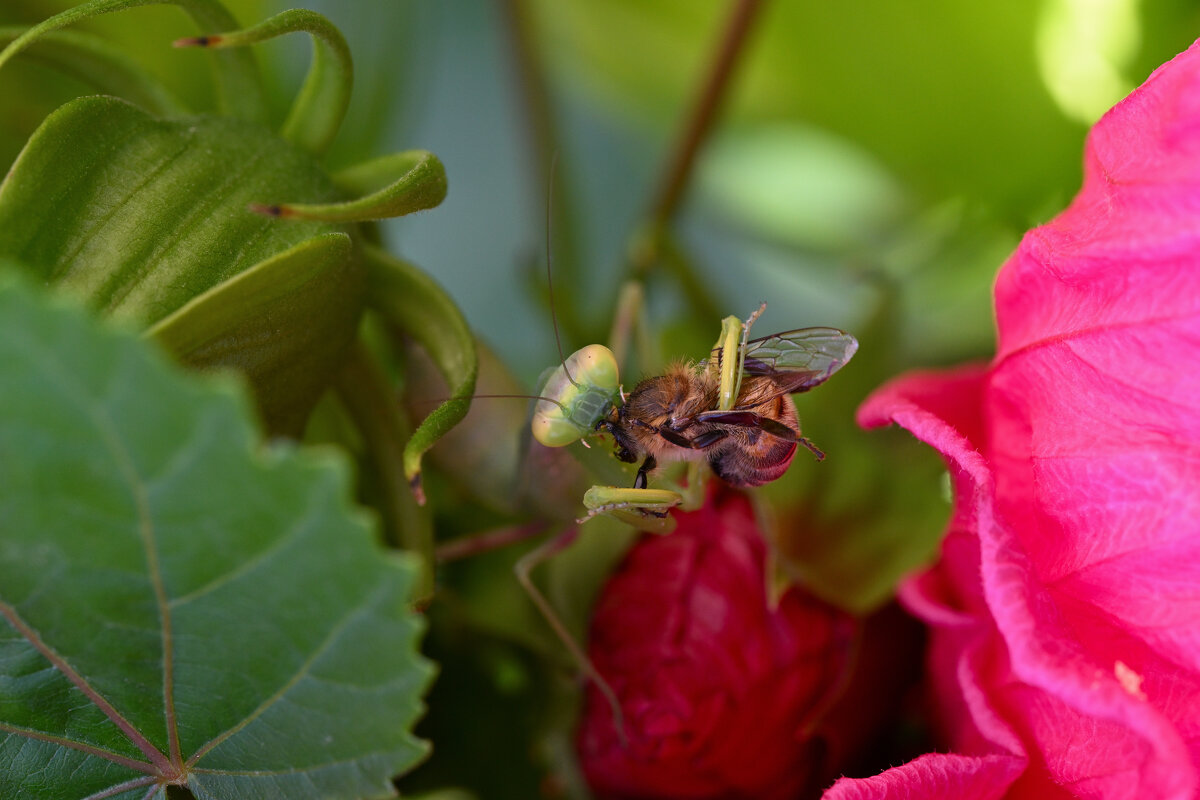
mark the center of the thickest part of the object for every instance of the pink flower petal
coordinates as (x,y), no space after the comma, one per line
(1065,611)
(935,775)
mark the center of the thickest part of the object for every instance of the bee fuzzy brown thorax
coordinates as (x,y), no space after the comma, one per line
(661,410)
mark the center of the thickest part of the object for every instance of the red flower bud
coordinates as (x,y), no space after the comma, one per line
(720,690)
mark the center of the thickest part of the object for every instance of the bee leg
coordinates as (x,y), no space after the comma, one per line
(749,419)
(670,434)
(708,439)
(625,445)
(675,437)
(640,481)
(816,451)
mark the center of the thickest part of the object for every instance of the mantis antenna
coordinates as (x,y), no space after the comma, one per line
(549,273)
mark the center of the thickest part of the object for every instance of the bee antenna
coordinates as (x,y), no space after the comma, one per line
(549,273)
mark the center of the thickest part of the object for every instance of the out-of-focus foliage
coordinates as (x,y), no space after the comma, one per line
(958,99)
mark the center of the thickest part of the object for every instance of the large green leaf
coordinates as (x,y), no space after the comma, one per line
(179,604)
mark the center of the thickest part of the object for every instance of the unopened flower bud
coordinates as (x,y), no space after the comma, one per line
(720,689)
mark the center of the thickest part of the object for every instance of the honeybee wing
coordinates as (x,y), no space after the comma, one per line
(796,361)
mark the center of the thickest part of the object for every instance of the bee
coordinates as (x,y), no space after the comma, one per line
(680,415)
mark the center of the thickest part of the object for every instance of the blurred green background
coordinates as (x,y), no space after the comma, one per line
(874,165)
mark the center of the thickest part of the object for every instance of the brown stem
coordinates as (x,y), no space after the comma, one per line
(712,93)
(467,546)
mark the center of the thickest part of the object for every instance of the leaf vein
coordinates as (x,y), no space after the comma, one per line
(47,362)
(214,200)
(121,788)
(248,566)
(87,234)
(335,633)
(83,747)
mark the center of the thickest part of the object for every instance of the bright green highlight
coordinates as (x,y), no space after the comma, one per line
(1084,49)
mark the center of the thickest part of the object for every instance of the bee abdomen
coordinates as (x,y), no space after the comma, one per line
(755,456)
(753,466)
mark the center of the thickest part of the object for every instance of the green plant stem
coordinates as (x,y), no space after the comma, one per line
(366,396)
(653,245)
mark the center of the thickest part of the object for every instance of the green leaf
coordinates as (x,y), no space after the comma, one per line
(239,89)
(140,214)
(178,604)
(97,63)
(321,105)
(148,220)
(313,291)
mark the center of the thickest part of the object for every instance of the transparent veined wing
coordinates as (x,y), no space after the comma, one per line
(798,360)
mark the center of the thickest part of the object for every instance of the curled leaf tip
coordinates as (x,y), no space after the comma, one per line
(414,483)
(198,41)
(395,185)
(270,210)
